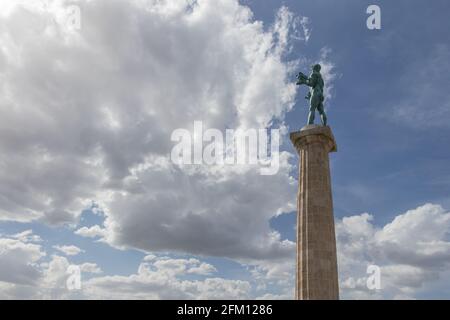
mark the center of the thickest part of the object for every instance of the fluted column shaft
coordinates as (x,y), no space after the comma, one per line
(317,274)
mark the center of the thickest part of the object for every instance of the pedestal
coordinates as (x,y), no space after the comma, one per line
(317,274)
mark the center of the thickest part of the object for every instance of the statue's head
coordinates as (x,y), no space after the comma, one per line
(316,67)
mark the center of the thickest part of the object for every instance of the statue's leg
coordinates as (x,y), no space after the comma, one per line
(314,103)
(312,113)
(322,113)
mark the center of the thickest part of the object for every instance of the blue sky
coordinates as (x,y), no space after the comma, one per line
(388,109)
(396,163)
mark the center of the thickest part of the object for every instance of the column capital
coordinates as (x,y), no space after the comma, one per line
(313,133)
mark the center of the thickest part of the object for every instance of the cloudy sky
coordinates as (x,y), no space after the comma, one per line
(87,108)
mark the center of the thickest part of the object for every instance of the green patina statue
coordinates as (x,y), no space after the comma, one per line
(315,94)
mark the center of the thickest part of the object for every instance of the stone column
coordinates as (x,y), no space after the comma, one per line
(317,275)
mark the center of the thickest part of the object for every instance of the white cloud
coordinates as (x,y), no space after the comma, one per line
(89,267)
(69,250)
(27,236)
(91,232)
(18,261)
(181,266)
(51,282)
(203,269)
(221,215)
(163,279)
(88,115)
(413,251)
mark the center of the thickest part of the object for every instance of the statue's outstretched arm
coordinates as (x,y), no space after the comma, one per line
(301,78)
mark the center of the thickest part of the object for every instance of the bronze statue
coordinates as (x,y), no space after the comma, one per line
(315,94)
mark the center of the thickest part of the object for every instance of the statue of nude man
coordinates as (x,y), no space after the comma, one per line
(315,94)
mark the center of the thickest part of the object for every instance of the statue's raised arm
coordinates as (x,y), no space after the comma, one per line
(315,95)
